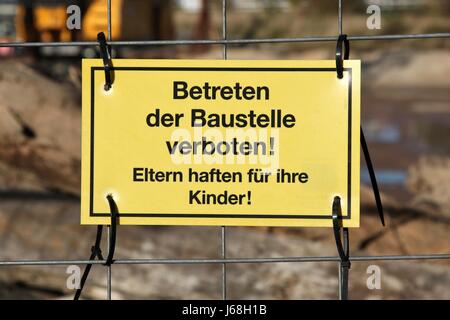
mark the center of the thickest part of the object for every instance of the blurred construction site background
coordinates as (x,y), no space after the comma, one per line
(405,114)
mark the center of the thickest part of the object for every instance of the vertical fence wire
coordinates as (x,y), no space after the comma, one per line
(109,266)
(108,272)
(223,229)
(339,265)
(109,20)
(224,264)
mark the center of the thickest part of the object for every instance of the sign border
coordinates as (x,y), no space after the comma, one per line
(219,215)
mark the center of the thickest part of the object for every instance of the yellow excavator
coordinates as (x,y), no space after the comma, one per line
(46,20)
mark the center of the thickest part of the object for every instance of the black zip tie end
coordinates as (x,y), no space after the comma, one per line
(96,252)
(373,178)
(105,53)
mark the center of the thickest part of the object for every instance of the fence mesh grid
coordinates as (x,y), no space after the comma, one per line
(223,261)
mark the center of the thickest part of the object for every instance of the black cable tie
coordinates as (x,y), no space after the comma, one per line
(112,231)
(96,251)
(105,52)
(343,247)
(342,39)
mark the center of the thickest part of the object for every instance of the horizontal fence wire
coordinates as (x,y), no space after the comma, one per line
(229,41)
(224,42)
(229,260)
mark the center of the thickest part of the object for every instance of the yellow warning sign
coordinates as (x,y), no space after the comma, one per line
(233,143)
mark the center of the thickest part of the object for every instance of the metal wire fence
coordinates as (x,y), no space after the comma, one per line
(224,260)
